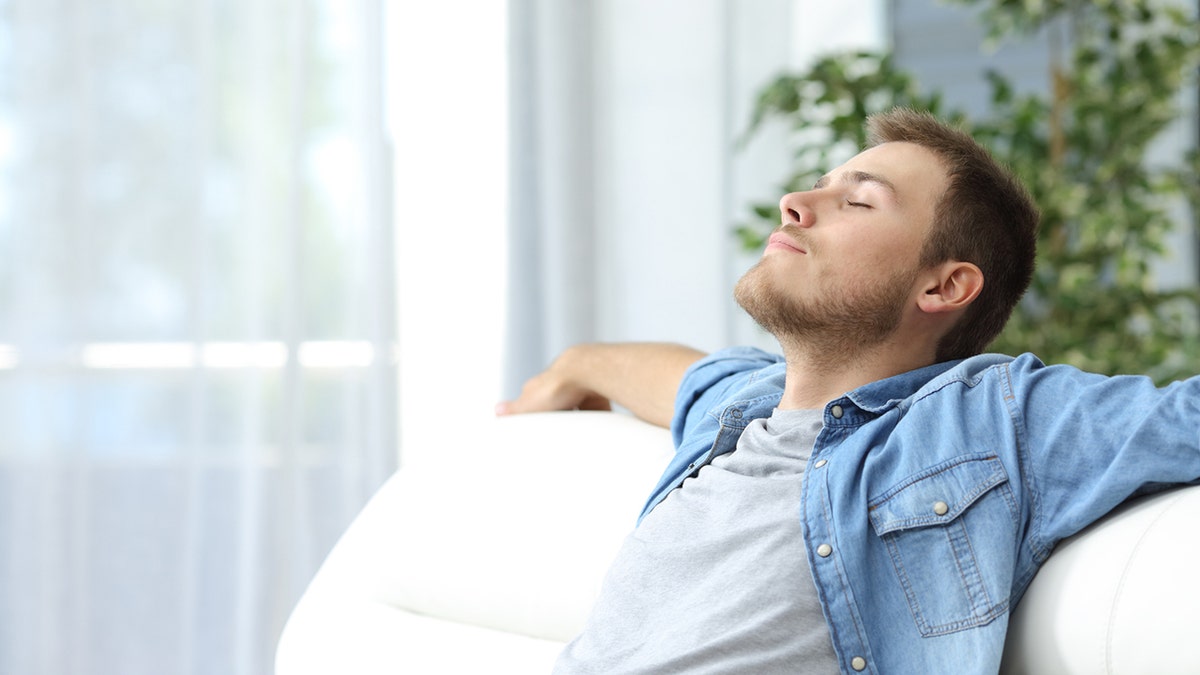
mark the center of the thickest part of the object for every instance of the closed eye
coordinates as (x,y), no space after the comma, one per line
(860,204)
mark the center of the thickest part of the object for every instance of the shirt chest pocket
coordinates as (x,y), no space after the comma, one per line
(949,531)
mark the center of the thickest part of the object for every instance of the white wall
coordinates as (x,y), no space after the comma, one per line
(661,168)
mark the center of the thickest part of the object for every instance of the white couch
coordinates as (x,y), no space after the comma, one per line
(485,559)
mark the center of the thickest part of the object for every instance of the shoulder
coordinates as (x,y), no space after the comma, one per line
(732,366)
(740,357)
(735,372)
(977,368)
(998,373)
(1025,379)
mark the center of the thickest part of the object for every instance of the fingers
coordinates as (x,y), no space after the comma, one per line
(594,402)
(542,394)
(570,383)
(516,407)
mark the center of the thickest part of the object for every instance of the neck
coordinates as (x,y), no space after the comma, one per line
(817,374)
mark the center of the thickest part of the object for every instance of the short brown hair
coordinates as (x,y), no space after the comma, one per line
(985,217)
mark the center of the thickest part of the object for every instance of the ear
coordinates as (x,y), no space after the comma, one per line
(951,286)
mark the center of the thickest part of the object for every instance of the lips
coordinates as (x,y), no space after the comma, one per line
(783,241)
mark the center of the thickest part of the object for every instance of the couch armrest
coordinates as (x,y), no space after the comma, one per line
(1121,597)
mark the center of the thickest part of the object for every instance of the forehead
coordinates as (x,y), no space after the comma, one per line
(913,172)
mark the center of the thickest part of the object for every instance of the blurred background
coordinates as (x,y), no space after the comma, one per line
(255,254)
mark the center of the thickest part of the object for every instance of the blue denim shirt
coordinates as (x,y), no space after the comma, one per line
(931,498)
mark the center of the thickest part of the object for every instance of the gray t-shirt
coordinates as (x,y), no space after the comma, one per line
(715,579)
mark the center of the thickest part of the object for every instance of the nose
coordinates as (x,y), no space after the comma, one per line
(795,209)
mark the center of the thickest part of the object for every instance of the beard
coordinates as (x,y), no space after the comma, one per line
(842,320)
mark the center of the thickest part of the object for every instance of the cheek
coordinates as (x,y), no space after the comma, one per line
(870,264)
(888,253)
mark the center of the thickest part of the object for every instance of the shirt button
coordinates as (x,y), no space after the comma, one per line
(940,508)
(824,550)
(837,412)
(820,463)
(858,663)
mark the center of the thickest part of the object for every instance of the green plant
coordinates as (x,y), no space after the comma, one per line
(1082,152)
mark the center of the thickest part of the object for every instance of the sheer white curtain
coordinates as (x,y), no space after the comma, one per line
(197,378)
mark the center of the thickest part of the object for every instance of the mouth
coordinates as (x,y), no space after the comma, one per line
(779,240)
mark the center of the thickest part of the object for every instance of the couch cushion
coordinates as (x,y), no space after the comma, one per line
(458,542)
(331,634)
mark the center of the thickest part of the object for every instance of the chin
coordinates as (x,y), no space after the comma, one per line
(866,316)
(764,301)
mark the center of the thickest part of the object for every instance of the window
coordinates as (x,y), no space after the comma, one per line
(197,342)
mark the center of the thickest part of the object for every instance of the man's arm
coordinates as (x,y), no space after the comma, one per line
(640,376)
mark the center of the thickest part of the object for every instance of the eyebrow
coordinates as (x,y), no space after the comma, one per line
(855,177)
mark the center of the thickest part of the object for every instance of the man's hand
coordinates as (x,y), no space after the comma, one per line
(552,390)
(642,377)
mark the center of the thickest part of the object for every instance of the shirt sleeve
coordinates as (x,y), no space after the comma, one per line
(708,381)
(1092,441)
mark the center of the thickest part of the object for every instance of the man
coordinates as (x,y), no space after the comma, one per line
(879,499)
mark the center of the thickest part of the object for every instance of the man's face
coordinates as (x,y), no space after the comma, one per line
(843,265)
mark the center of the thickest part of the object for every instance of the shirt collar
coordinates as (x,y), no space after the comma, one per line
(882,395)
